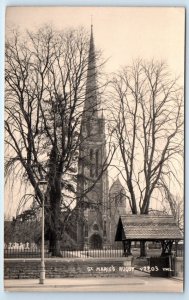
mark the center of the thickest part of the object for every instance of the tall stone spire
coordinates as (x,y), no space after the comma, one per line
(92,205)
(91,99)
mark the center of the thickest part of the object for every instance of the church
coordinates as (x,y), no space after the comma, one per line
(98,206)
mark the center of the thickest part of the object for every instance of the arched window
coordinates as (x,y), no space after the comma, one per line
(97,162)
(91,163)
(86,230)
(104,228)
(88,126)
(91,154)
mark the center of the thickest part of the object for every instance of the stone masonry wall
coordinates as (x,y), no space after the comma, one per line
(61,268)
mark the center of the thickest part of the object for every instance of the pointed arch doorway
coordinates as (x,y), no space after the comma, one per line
(95,241)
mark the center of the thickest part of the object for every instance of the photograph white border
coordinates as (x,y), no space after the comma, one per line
(83,296)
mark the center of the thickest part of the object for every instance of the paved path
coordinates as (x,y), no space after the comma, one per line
(129,284)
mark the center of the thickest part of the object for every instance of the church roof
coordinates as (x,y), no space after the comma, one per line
(147,227)
(116,187)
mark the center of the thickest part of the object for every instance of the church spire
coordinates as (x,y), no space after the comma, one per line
(93,201)
(91,99)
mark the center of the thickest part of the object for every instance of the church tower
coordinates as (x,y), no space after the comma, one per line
(92,185)
(118,206)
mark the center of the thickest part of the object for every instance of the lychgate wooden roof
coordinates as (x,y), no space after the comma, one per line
(147,227)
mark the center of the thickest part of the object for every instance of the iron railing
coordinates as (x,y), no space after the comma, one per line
(66,253)
(87,253)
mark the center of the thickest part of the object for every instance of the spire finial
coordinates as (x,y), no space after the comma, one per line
(91,24)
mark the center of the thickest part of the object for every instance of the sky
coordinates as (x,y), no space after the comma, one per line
(123,34)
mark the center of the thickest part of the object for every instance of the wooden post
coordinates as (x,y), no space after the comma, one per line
(142,248)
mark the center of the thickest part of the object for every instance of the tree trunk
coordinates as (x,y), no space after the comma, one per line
(55,217)
(144,211)
(54,245)
(54,240)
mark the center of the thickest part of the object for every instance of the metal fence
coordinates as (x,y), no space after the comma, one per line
(66,253)
(73,253)
(24,253)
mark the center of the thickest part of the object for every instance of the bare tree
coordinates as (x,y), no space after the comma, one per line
(173,204)
(148,126)
(45,78)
